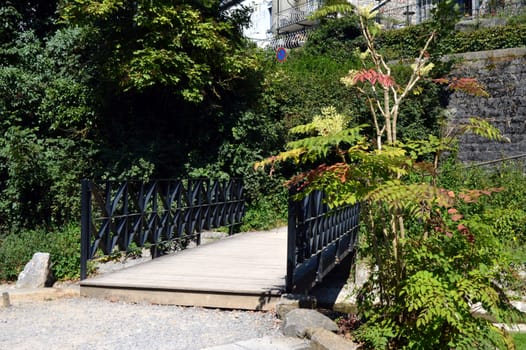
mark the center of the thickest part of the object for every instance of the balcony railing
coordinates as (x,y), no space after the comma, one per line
(296,18)
(290,40)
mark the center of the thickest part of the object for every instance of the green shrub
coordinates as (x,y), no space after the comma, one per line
(494,38)
(405,42)
(63,244)
(520,340)
(266,213)
(434,250)
(48,110)
(64,248)
(503,212)
(432,308)
(16,250)
(518,19)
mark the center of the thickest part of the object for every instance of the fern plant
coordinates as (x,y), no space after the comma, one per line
(431,263)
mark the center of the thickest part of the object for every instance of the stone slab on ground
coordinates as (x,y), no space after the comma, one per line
(297,322)
(266,343)
(22,295)
(322,339)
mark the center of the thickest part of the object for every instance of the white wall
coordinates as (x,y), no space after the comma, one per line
(260,22)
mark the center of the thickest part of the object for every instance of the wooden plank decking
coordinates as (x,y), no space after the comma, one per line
(244,271)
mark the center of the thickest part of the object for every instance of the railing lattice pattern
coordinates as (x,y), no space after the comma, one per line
(319,237)
(116,216)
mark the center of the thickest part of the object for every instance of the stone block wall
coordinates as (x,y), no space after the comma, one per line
(503,73)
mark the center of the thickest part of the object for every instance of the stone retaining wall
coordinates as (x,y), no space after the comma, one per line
(503,73)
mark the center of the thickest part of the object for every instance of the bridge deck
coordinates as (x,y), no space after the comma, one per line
(244,271)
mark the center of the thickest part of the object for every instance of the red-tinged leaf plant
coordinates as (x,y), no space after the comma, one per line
(430,262)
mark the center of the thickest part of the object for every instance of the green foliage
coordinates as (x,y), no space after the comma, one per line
(333,9)
(405,42)
(297,89)
(420,112)
(500,37)
(17,249)
(191,49)
(503,211)
(251,138)
(267,212)
(172,81)
(64,249)
(446,274)
(307,81)
(41,178)
(328,123)
(445,15)
(47,111)
(335,38)
(435,251)
(520,340)
(517,19)
(35,15)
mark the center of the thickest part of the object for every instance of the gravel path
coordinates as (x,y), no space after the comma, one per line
(82,323)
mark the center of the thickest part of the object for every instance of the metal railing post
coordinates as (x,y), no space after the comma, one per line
(85,227)
(291,242)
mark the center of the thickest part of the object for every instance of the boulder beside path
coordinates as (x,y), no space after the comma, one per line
(36,273)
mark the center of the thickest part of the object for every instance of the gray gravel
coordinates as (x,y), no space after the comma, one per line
(82,323)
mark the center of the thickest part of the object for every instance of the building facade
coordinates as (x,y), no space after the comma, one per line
(260,29)
(287,23)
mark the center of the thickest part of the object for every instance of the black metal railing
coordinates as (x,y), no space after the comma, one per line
(162,214)
(318,239)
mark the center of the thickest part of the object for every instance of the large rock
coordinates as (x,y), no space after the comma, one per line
(289,302)
(298,321)
(37,272)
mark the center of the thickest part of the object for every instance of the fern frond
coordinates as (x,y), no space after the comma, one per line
(366,12)
(303,129)
(325,124)
(410,197)
(483,128)
(317,147)
(294,154)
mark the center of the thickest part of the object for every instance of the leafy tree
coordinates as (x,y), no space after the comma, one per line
(46,117)
(191,48)
(432,258)
(35,15)
(173,77)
